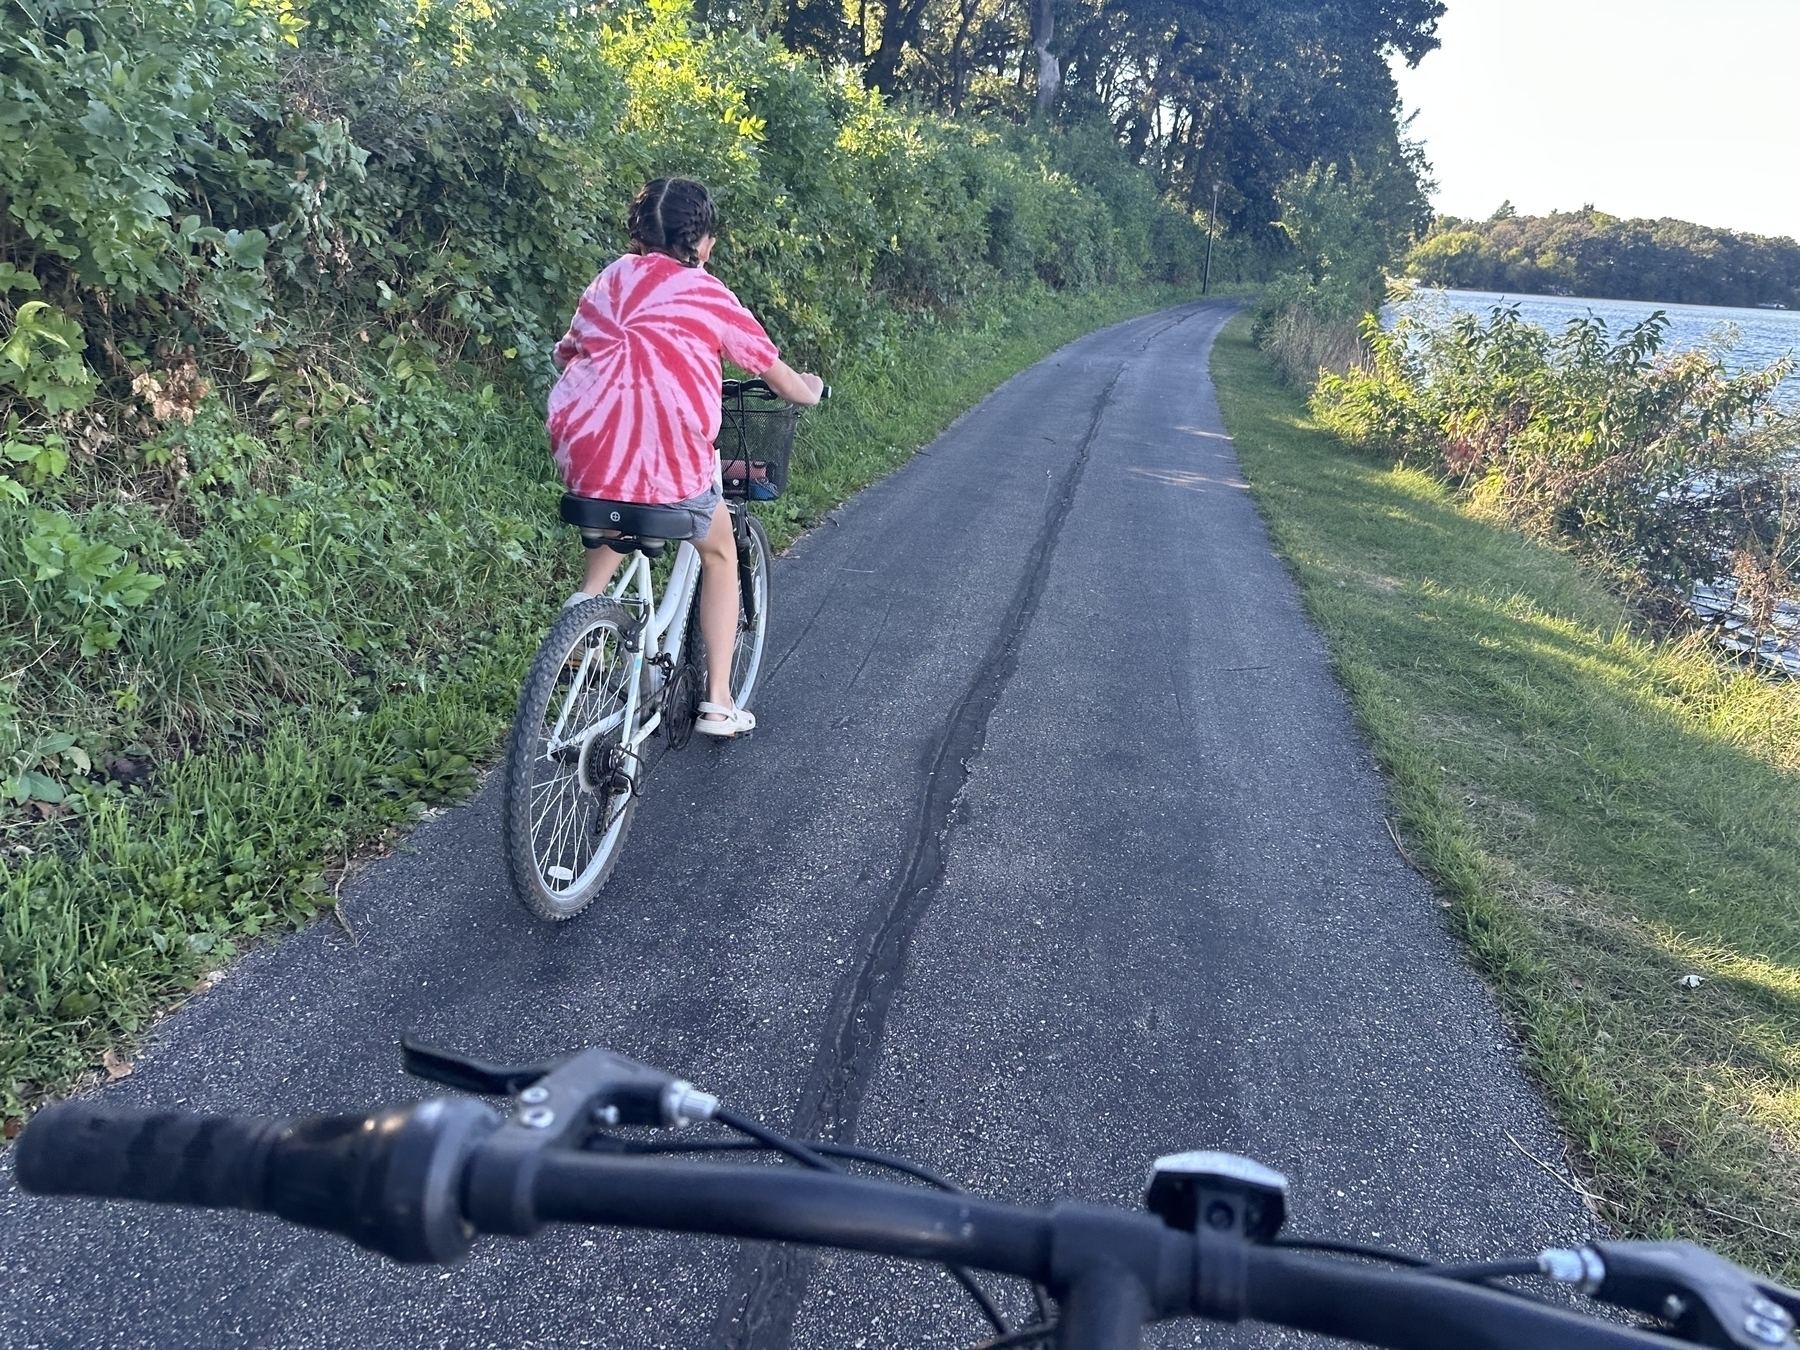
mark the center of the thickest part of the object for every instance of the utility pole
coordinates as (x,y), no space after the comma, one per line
(1212,219)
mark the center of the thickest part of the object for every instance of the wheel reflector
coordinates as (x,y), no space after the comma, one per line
(559,874)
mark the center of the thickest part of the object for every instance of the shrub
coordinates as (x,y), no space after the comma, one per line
(245,182)
(1659,463)
(1308,318)
(1309,328)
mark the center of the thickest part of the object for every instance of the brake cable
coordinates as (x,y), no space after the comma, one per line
(800,1153)
(816,1155)
(1480,1272)
(1352,1249)
(1475,1272)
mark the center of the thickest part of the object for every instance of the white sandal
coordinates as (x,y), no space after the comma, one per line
(729,721)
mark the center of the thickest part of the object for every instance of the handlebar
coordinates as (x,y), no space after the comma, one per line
(387,1181)
(418,1184)
(757,388)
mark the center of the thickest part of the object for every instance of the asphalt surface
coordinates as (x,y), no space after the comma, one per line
(1055,850)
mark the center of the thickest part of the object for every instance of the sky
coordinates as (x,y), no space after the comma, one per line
(1685,108)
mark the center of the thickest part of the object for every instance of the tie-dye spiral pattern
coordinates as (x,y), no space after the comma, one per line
(635,414)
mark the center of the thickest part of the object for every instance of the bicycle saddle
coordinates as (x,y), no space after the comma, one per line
(622,525)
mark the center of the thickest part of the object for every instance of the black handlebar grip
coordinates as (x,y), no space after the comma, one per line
(391,1182)
(168,1157)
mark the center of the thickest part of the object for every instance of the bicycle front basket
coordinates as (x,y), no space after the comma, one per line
(755,445)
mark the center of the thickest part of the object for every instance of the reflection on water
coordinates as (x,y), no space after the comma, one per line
(1776,647)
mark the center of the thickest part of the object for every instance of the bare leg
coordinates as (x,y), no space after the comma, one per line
(719,604)
(601,564)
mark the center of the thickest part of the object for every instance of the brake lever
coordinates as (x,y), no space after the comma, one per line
(562,1109)
(467,1074)
(609,1088)
(1704,1297)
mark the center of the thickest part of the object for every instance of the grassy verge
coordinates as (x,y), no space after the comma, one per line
(345,644)
(1606,815)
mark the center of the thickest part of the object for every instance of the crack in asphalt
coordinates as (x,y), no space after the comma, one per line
(757,1312)
(1200,938)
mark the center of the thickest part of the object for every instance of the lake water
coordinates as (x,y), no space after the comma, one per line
(1753,337)
(1749,338)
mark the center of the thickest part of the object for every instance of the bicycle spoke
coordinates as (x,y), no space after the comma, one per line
(550,793)
(576,688)
(559,843)
(563,832)
(572,824)
(561,806)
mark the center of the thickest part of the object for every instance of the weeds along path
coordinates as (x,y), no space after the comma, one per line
(1055,850)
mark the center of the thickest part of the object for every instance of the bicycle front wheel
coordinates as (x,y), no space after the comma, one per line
(753,611)
(570,781)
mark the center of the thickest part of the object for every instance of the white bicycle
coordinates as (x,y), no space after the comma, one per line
(629,668)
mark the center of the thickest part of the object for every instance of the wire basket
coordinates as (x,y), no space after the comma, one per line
(756,441)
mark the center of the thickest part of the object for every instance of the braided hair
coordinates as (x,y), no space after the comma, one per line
(671,216)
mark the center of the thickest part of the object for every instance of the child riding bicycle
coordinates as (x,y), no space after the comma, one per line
(635,413)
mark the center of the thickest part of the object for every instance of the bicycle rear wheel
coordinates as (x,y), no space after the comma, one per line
(753,611)
(570,784)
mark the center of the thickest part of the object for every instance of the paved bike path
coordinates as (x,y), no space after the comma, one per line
(1056,850)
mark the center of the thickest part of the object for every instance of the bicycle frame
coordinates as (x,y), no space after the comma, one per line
(662,631)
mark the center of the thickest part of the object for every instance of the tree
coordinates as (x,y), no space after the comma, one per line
(1591,253)
(1244,92)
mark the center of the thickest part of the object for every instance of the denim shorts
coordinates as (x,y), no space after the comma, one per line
(701,507)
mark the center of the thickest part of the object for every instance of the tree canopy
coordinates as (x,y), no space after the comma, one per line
(1246,94)
(1590,253)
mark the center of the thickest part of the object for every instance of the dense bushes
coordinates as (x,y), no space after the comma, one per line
(332,637)
(278,284)
(1309,318)
(228,177)
(235,233)
(1658,464)
(1590,253)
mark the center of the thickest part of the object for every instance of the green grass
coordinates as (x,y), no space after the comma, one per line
(339,645)
(1604,813)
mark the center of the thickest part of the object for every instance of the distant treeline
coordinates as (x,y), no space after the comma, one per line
(1590,253)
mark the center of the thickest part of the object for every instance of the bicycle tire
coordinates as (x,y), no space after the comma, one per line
(746,656)
(687,686)
(551,813)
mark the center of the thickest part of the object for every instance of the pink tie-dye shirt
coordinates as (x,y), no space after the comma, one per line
(635,414)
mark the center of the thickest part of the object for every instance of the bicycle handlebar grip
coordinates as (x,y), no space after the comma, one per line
(391,1182)
(167,1157)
